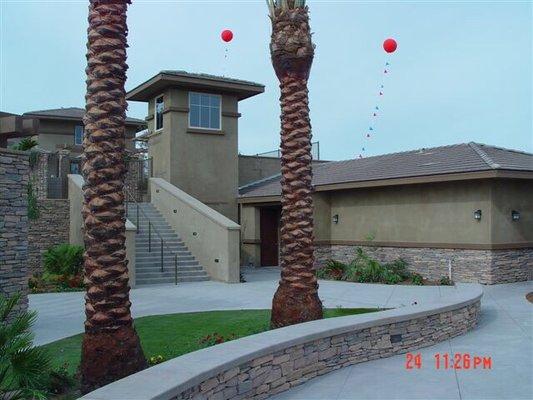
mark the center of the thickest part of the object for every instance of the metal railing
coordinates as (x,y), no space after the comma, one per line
(151,227)
(315,152)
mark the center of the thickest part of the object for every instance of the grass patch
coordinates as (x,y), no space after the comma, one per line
(173,335)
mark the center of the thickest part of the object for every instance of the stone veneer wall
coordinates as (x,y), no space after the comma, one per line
(14,178)
(274,373)
(50,229)
(482,266)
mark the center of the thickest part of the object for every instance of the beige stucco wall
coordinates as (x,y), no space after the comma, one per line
(75,195)
(254,168)
(204,165)
(439,214)
(435,213)
(250,235)
(508,195)
(54,133)
(212,238)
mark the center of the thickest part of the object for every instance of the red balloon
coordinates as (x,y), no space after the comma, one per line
(226,35)
(390,45)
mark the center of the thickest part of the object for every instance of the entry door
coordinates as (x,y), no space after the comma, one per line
(269,223)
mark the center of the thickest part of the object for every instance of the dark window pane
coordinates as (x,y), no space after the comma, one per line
(204,99)
(204,117)
(195,116)
(215,101)
(78,135)
(194,98)
(215,119)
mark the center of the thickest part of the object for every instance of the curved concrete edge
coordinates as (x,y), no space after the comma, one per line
(170,379)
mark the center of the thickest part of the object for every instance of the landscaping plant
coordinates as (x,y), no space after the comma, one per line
(25,144)
(64,259)
(417,279)
(23,367)
(111,348)
(292,50)
(445,281)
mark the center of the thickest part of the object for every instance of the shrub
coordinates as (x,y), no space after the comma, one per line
(64,259)
(391,278)
(332,270)
(417,279)
(60,380)
(215,338)
(25,144)
(23,367)
(445,281)
(154,360)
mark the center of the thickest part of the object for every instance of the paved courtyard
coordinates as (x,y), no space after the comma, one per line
(504,334)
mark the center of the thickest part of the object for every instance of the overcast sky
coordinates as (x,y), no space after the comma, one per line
(462,72)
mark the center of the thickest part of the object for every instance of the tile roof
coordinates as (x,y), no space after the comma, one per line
(457,158)
(71,113)
(209,76)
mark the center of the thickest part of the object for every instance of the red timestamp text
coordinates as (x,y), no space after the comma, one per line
(450,361)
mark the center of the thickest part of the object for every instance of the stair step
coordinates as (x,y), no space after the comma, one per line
(169,264)
(183,268)
(155,281)
(169,274)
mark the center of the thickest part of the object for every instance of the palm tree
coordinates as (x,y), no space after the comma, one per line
(292,51)
(111,348)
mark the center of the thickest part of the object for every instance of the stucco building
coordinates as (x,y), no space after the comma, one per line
(54,129)
(468,207)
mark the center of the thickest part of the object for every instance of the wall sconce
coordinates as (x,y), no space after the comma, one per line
(477,215)
(336,219)
(515,215)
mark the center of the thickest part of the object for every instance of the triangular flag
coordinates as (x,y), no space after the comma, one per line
(363,149)
(360,156)
(381,86)
(370,129)
(377,108)
(385,71)
(381,93)
(387,63)
(368,135)
(375,115)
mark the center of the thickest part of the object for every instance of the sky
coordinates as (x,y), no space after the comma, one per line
(462,71)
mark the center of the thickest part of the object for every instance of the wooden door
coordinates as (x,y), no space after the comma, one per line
(269,224)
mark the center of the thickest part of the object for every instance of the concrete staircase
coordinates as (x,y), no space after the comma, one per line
(148,264)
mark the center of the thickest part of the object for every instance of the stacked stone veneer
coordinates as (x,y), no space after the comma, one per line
(483,266)
(274,373)
(50,229)
(14,177)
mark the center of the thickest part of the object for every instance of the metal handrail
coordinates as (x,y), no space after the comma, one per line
(150,227)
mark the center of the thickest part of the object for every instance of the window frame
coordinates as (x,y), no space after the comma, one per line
(82,135)
(219,129)
(162,96)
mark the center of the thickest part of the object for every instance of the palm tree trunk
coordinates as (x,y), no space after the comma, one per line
(111,348)
(292,51)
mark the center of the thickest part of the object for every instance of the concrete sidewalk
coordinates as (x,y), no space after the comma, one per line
(62,314)
(504,334)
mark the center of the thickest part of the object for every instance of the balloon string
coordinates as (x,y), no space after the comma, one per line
(376,112)
(225,64)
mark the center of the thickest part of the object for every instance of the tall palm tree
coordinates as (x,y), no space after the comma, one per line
(111,348)
(292,52)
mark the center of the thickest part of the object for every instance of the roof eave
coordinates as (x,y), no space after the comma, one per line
(155,85)
(488,174)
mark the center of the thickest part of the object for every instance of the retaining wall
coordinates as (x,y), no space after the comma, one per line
(259,366)
(14,178)
(481,266)
(49,229)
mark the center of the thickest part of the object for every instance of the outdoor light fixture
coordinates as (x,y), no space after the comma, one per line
(515,215)
(477,215)
(336,219)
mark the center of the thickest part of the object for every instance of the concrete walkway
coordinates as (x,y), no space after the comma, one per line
(504,334)
(62,314)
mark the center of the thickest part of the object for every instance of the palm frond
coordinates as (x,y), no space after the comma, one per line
(283,5)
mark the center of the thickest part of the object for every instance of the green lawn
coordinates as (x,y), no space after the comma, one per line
(175,334)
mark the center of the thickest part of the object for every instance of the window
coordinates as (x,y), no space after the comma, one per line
(78,135)
(159,106)
(204,111)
